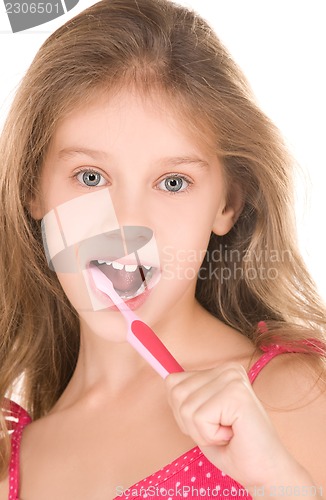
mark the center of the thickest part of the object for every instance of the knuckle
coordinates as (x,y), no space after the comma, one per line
(197,416)
(186,411)
(170,381)
(205,429)
(238,389)
(235,367)
(203,416)
(177,393)
(236,372)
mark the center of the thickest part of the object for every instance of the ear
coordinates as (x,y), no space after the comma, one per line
(35,208)
(228,215)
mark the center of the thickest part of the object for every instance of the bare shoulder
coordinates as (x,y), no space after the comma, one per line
(4,488)
(292,388)
(292,380)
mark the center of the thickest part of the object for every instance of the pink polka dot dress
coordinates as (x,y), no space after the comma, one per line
(17,419)
(190,476)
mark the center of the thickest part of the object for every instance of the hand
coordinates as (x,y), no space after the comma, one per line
(219,410)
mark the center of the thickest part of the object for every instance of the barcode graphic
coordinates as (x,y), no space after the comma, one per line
(25,14)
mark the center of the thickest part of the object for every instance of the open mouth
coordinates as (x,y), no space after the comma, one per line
(129,280)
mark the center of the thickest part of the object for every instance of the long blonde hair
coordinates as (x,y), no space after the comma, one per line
(148,44)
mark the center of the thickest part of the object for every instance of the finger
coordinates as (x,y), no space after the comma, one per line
(191,390)
(209,413)
(190,411)
(180,385)
(209,425)
(191,395)
(203,422)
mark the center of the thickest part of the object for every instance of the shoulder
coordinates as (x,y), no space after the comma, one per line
(4,487)
(292,388)
(228,346)
(290,380)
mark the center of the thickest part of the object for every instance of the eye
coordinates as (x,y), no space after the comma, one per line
(174,183)
(90,178)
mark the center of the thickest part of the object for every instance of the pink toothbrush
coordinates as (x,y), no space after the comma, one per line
(139,335)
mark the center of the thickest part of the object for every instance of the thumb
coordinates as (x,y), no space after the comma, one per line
(222,435)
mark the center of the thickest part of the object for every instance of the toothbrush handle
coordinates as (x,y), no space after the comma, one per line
(154,345)
(159,357)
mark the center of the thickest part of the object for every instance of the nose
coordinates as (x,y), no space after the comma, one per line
(132,207)
(130,200)
(135,237)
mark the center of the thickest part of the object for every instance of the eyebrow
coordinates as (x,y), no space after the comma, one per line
(68,153)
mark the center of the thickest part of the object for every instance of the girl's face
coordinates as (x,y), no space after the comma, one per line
(139,154)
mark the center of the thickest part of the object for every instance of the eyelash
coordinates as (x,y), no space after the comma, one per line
(178,176)
(169,176)
(84,171)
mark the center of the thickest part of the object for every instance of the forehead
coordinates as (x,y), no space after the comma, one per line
(132,118)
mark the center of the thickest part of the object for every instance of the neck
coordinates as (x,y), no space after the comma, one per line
(112,367)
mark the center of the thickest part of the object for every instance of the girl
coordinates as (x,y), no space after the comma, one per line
(133,115)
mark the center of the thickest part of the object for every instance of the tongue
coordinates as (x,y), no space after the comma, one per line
(123,281)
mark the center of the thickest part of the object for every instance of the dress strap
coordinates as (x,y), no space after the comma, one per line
(273,350)
(17,418)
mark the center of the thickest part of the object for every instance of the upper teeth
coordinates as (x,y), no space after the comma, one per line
(117,265)
(130,268)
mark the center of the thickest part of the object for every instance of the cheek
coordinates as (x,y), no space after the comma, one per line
(182,256)
(189,232)
(106,324)
(74,286)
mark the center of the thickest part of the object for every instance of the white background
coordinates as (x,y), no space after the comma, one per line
(280,45)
